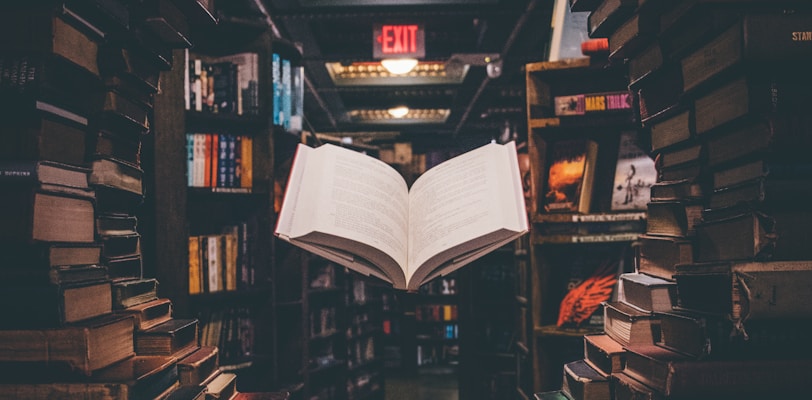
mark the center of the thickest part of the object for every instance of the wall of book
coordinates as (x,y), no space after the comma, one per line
(212,179)
(436,324)
(589,180)
(487,367)
(717,89)
(80,84)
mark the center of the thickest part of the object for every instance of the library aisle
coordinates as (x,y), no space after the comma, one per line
(429,384)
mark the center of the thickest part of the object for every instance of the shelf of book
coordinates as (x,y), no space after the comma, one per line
(589,181)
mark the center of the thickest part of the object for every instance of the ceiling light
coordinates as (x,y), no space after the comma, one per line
(399,66)
(398,112)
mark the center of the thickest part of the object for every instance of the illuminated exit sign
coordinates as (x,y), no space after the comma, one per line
(398,41)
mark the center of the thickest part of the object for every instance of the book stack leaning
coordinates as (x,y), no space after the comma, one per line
(77,80)
(719,305)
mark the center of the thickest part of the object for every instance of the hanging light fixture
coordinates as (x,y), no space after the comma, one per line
(399,66)
(398,112)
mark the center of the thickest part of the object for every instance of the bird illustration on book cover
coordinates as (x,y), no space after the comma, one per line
(584,299)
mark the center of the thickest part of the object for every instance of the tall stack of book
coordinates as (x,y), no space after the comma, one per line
(720,87)
(60,334)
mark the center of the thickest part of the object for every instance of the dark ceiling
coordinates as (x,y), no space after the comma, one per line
(516,31)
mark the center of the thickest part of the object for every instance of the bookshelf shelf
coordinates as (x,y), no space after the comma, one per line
(240,216)
(555,331)
(568,105)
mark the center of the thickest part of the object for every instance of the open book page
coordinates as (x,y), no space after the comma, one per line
(464,207)
(339,201)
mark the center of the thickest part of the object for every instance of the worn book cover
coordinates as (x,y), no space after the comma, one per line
(628,325)
(679,377)
(149,314)
(716,336)
(54,305)
(747,234)
(83,347)
(176,337)
(198,366)
(132,292)
(604,353)
(647,292)
(746,290)
(570,176)
(582,381)
(635,173)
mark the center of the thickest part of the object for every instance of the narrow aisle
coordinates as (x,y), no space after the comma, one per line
(427,385)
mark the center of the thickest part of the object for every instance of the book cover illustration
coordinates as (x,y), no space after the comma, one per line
(634,174)
(569,176)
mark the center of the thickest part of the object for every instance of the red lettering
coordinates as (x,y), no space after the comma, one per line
(412,29)
(398,48)
(387,39)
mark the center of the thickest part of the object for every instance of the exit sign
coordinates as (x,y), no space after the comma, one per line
(398,41)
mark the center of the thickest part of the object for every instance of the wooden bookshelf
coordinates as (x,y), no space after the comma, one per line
(565,248)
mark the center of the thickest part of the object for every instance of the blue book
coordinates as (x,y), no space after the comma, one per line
(190,159)
(231,162)
(287,86)
(276,71)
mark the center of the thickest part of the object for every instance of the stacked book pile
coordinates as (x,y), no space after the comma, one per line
(718,305)
(77,82)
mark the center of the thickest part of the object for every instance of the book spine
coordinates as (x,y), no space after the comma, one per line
(215,158)
(238,161)
(190,159)
(20,172)
(222,160)
(276,70)
(232,161)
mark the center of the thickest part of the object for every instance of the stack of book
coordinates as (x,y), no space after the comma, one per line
(720,88)
(70,174)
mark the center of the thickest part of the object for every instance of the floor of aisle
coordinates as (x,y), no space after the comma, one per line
(428,384)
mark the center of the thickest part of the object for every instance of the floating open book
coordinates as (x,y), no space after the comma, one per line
(358,211)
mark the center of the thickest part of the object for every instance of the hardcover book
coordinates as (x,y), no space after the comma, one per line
(198,367)
(51,306)
(78,346)
(150,313)
(759,37)
(604,353)
(45,216)
(747,235)
(47,175)
(673,218)
(635,174)
(176,338)
(647,292)
(746,290)
(583,382)
(43,136)
(659,255)
(453,214)
(134,292)
(713,336)
(570,176)
(670,130)
(628,388)
(676,376)
(138,377)
(628,325)
(682,189)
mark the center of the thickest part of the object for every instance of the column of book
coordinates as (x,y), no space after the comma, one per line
(79,318)
(719,306)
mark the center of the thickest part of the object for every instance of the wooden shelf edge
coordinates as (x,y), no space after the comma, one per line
(567,63)
(555,331)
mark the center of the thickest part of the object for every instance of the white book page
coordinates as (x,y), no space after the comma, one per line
(354,196)
(462,199)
